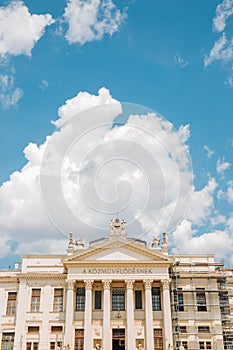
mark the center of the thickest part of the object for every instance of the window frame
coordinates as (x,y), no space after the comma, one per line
(11,303)
(156,298)
(118,299)
(35,299)
(58,299)
(80,299)
(98,300)
(138,300)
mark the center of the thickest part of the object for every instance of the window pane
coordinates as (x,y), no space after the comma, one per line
(35,301)
(138,299)
(11,303)
(58,299)
(80,299)
(118,299)
(8,341)
(98,299)
(79,339)
(158,339)
(201,299)
(156,302)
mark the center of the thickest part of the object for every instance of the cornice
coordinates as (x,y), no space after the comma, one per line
(118,263)
(42,276)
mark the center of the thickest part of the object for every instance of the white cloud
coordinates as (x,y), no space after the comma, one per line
(91,20)
(44,84)
(223,12)
(221,51)
(209,151)
(20,30)
(9,94)
(222,166)
(179,60)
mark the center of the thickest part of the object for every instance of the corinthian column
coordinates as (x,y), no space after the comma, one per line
(88,315)
(149,315)
(167,319)
(69,327)
(106,317)
(130,315)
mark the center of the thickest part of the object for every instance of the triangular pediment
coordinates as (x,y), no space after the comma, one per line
(119,249)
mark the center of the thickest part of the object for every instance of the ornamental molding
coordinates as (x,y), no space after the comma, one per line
(129,284)
(107,284)
(88,284)
(42,276)
(165,284)
(148,284)
(70,284)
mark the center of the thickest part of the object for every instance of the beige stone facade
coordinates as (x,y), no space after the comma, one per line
(117,293)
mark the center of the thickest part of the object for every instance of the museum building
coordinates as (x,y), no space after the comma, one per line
(116,293)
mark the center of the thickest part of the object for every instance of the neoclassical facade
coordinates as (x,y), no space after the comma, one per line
(117,293)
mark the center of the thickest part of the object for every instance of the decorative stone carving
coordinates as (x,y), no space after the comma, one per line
(155,242)
(148,284)
(70,284)
(165,284)
(107,284)
(129,284)
(88,284)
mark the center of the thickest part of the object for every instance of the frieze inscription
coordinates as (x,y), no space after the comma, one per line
(118,271)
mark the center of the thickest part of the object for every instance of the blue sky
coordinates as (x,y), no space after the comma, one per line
(172,56)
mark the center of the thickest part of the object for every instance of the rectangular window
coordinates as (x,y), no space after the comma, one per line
(11,303)
(58,300)
(156,300)
(182,343)
(181,329)
(158,339)
(118,299)
(203,329)
(33,329)
(179,299)
(80,299)
(138,299)
(98,296)
(56,345)
(201,299)
(8,341)
(201,345)
(56,329)
(32,346)
(79,339)
(35,301)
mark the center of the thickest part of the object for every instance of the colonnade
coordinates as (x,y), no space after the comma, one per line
(106,336)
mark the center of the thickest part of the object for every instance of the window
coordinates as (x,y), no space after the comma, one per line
(201,299)
(80,299)
(56,329)
(158,339)
(11,303)
(118,299)
(182,345)
(58,299)
(203,329)
(56,345)
(181,329)
(156,302)
(179,299)
(79,339)
(33,329)
(98,296)
(8,341)
(32,346)
(138,299)
(205,345)
(35,302)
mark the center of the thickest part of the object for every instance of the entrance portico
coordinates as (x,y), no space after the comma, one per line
(126,296)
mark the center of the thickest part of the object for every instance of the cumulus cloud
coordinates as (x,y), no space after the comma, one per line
(19,29)
(208,151)
(223,12)
(91,20)
(222,166)
(92,167)
(9,93)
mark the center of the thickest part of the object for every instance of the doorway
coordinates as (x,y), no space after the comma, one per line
(118,339)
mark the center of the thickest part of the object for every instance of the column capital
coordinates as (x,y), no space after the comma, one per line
(88,284)
(165,283)
(70,284)
(148,284)
(107,284)
(129,284)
